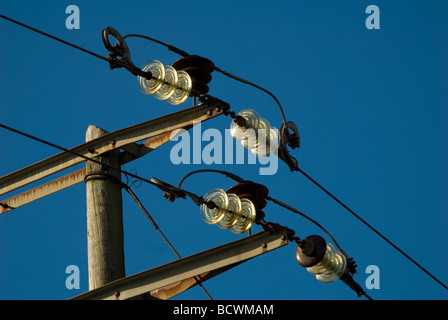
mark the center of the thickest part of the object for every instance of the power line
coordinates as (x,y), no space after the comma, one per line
(136,70)
(140,205)
(372,228)
(170,47)
(216,68)
(113,62)
(54,38)
(282,204)
(347,278)
(80,155)
(226,173)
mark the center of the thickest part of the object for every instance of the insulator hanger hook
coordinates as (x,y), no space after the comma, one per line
(120,49)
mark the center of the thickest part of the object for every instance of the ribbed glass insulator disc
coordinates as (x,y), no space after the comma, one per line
(150,86)
(247,219)
(169,86)
(262,130)
(221,200)
(252,118)
(183,90)
(233,213)
(331,267)
(265,148)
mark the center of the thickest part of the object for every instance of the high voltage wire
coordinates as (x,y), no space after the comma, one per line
(54,38)
(77,154)
(372,228)
(140,205)
(216,68)
(284,205)
(358,288)
(172,48)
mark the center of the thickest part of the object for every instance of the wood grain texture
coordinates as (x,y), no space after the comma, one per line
(104,218)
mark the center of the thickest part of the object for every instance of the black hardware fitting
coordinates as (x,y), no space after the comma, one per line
(121,50)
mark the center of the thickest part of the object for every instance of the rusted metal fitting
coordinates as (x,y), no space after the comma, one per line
(239,120)
(211,205)
(120,56)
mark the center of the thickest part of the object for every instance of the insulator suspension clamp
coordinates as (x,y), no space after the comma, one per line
(291,139)
(120,49)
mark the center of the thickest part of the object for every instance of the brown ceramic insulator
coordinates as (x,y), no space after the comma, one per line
(308,258)
(255,192)
(199,69)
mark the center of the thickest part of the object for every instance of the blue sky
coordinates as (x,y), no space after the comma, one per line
(371,107)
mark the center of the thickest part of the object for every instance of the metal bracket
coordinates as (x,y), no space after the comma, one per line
(120,49)
(289,139)
(218,103)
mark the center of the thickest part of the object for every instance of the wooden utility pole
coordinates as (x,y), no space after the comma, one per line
(104,216)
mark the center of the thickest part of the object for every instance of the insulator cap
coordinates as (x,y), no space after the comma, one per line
(199,69)
(309,259)
(255,192)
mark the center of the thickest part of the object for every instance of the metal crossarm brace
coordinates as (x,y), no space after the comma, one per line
(168,280)
(158,131)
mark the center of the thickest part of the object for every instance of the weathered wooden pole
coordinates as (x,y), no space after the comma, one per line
(104,217)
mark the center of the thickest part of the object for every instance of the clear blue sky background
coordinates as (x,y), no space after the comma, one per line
(371,107)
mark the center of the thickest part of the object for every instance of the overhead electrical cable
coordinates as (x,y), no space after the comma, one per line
(54,38)
(78,154)
(140,205)
(372,228)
